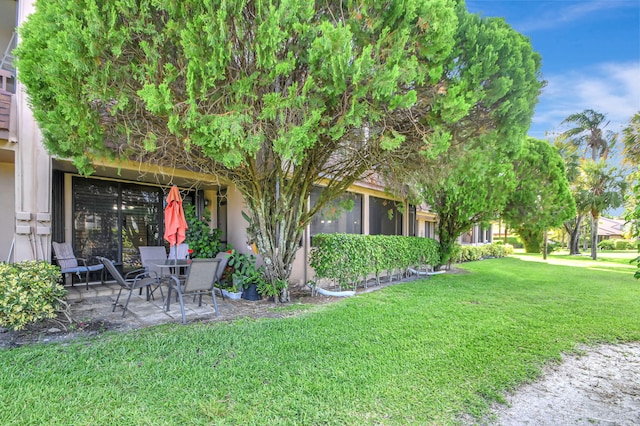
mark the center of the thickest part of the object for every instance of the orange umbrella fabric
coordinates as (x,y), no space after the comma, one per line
(175,224)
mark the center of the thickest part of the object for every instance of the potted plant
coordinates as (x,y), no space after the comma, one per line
(203,241)
(226,285)
(246,275)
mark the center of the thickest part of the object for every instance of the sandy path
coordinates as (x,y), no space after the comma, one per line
(601,387)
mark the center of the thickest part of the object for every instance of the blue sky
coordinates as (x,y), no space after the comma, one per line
(590,55)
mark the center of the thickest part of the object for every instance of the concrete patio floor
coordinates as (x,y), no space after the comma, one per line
(96,303)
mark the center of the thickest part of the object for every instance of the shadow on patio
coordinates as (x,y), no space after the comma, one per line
(96,303)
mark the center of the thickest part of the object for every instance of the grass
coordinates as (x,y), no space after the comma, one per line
(426,352)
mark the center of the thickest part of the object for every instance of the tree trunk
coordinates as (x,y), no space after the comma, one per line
(545,243)
(573,229)
(594,235)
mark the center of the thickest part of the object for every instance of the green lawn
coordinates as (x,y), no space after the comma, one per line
(425,352)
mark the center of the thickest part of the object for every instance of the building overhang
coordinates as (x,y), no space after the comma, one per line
(145,173)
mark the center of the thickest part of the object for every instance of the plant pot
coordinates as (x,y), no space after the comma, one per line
(231,295)
(251,293)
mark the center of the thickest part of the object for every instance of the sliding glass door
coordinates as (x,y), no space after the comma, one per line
(112,219)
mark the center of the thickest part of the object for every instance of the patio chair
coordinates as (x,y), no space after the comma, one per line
(129,282)
(199,281)
(70,264)
(148,253)
(223,257)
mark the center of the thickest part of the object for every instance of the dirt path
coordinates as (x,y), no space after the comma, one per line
(601,387)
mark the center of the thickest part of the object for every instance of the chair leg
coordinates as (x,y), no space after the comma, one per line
(124,311)
(184,317)
(116,302)
(215,303)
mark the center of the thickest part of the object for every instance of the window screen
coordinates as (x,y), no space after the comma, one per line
(334,218)
(384,217)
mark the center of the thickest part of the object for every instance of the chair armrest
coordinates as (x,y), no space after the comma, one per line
(129,277)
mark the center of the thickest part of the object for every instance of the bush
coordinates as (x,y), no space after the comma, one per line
(471,253)
(350,258)
(553,246)
(515,242)
(29,292)
(607,245)
(202,240)
(623,245)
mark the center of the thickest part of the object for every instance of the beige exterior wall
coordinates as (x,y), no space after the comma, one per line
(7,208)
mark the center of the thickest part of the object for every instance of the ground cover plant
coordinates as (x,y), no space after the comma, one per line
(423,352)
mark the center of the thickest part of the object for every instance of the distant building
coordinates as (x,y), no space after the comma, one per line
(611,229)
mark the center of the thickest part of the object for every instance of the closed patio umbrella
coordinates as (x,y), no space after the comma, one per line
(175,224)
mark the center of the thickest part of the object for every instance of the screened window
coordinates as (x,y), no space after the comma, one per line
(384,217)
(413,222)
(112,219)
(335,218)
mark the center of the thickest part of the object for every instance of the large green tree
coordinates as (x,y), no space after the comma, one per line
(273,96)
(471,181)
(542,198)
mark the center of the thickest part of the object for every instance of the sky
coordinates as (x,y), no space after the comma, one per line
(590,56)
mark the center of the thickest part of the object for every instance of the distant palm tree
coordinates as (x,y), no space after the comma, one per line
(631,140)
(588,131)
(603,187)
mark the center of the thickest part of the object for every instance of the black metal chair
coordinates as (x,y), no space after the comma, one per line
(129,283)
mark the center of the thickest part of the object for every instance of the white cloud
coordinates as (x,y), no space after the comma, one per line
(611,88)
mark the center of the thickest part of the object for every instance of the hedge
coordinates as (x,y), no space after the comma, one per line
(615,244)
(349,259)
(470,253)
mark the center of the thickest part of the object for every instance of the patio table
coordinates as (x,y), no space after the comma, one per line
(170,266)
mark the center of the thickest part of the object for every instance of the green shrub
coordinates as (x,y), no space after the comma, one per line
(471,253)
(515,242)
(553,246)
(623,245)
(607,245)
(350,258)
(29,291)
(204,241)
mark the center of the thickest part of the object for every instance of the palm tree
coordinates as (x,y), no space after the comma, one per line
(588,131)
(603,188)
(631,140)
(568,151)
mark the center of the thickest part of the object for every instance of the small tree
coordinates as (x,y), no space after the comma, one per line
(202,239)
(542,198)
(496,70)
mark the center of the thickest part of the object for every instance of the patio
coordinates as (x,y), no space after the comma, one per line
(96,303)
